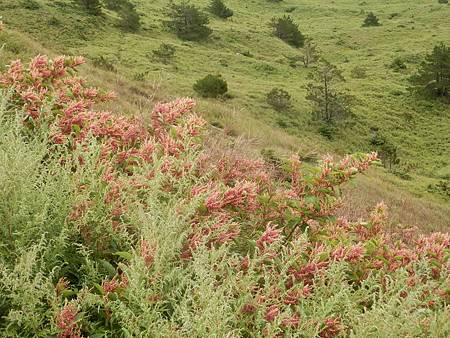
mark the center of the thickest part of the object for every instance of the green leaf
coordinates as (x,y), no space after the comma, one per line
(110,269)
(99,288)
(124,254)
(113,296)
(68,293)
(76,129)
(98,335)
(311,199)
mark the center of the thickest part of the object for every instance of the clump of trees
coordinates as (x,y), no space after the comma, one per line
(433,76)
(330,104)
(187,21)
(287,30)
(218,8)
(371,20)
(212,86)
(279,99)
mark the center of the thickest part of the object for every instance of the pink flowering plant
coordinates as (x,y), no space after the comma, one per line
(121,226)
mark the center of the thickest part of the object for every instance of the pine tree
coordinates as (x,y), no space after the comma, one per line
(433,76)
(330,104)
(188,22)
(218,8)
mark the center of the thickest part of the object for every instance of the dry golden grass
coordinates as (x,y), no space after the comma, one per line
(241,122)
(361,195)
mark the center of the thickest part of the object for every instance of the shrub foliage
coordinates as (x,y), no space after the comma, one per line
(112,226)
(218,8)
(130,19)
(211,86)
(93,7)
(279,99)
(287,30)
(371,20)
(164,53)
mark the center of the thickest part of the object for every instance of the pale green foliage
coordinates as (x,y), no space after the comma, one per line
(26,291)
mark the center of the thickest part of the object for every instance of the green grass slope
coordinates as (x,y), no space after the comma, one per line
(253,62)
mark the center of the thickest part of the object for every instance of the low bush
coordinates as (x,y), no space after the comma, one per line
(287,30)
(218,8)
(279,99)
(371,20)
(105,63)
(211,86)
(164,53)
(398,64)
(30,4)
(93,7)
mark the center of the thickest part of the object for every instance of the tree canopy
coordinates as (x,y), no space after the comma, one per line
(433,76)
(329,103)
(188,22)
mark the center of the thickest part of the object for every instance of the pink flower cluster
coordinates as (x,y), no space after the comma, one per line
(67,322)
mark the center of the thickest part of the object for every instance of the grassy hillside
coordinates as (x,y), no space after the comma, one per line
(244,51)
